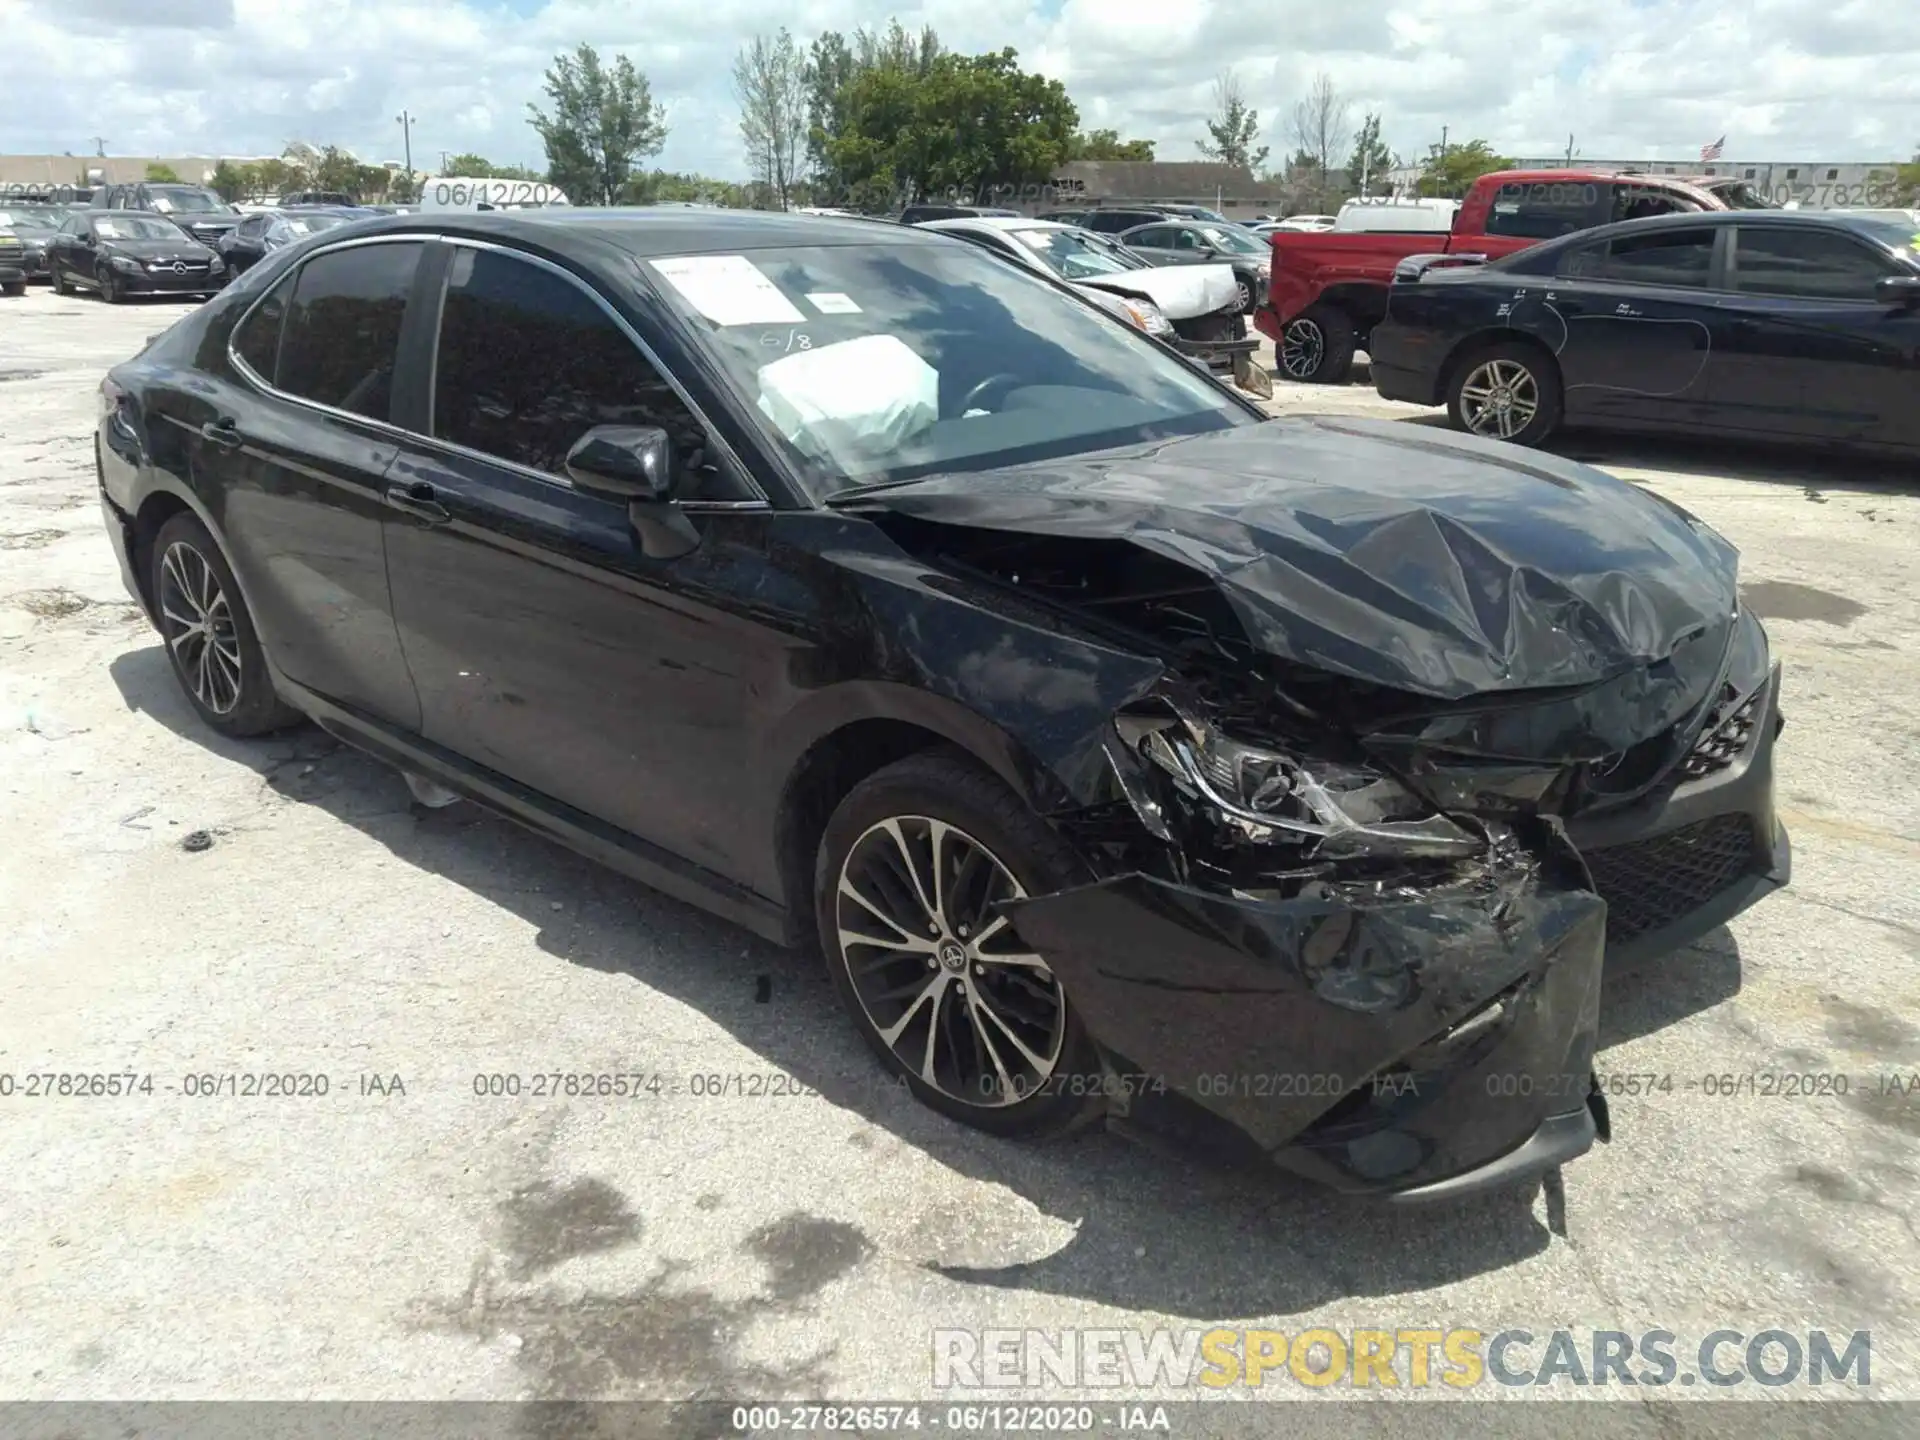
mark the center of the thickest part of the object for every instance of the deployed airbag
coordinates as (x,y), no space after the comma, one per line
(863,396)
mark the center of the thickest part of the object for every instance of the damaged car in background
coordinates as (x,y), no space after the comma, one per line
(1276,787)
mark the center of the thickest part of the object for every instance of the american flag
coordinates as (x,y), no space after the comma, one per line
(1713,151)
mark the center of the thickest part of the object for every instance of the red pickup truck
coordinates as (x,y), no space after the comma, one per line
(1329,288)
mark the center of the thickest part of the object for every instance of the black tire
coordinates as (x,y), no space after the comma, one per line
(60,285)
(238,700)
(15,287)
(109,287)
(949,788)
(1317,346)
(1530,380)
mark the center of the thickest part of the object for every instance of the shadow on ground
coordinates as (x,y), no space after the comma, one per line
(1221,1245)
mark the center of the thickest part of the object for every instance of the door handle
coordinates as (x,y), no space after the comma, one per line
(418,501)
(224,433)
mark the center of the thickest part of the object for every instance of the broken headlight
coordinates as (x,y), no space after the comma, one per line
(1332,808)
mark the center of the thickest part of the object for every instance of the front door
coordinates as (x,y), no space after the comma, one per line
(548,647)
(1811,354)
(291,464)
(1632,322)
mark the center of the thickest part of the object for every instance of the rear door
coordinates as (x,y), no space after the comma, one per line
(291,460)
(1810,353)
(1636,317)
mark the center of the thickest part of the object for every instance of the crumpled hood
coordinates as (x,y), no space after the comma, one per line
(1411,558)
(1182,292)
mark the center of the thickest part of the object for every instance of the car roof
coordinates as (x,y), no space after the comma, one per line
(1865,226)
(644,233)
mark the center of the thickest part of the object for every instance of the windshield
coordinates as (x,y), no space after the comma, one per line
(197,202)
(293,226)
(1074,255)
(1232,239)
(26,222)
(1894,231)
(137,227)
(874,363)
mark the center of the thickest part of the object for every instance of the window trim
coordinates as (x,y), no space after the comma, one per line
(1732,272)
(426,240)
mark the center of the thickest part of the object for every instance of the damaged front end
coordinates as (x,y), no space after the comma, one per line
(1343,915)
(1321,970)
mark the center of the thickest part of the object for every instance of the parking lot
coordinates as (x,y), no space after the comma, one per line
(182,906)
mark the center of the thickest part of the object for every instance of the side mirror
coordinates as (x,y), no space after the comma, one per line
(1901,290)
(623,462)
(634,463)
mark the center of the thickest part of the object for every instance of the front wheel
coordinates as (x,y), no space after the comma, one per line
(910,872)
(14,287)
(109,287)
(1317,346)
(1506,392)
(60,285)
(211,643)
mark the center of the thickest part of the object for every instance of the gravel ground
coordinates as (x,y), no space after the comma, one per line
(403,1237)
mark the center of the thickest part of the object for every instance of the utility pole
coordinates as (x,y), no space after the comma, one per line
(1443,142)
(405,121)
(99,147)
(1569,149)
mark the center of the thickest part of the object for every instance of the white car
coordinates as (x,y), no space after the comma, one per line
(1302,222)
(1187,305)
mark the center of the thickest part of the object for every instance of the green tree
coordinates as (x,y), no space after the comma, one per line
(1233,128)
(968,123)
(1371,160)
(603,120)
(1107,145)
(470,166)
(231,182)
(1906,181)
(163,174)
(770,82)
(1450,171)
(833,63)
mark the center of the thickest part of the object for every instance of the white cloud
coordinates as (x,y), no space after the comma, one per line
(1782,79)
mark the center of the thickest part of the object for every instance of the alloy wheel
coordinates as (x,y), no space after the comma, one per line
(940,976)
(1243,296)
(1500,398)
(1302,347)
(196,621)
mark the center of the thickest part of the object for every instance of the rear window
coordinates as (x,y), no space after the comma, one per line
(1543,211)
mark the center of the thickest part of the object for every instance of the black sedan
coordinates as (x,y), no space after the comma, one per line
(1275,785)
(1175,241)
(34,227)
(124,253)
(265,231)
(1769,324)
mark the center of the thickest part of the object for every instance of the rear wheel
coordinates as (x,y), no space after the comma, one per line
(211,643)
(910,870)
(15,287)
(1317,346)
(1507,391)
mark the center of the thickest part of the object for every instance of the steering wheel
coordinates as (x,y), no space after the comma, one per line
(979,392)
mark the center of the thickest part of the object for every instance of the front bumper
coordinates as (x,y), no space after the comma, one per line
(1215,339)
(1680,865)
(169,282)
(1422,1047)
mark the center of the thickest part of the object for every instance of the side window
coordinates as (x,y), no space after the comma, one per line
(1154,237)
(1542,211)
(1185,240)
(1668,257)
(257,339)
(1809,264)
(1582,262)
(529,363)
(343,327)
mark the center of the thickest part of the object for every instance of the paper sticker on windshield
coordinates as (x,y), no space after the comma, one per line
(832,302)
(1915,242)
(728,290)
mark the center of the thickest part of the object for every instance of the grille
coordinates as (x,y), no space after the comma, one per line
(1726,736)
(12,251)
(1651,883)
